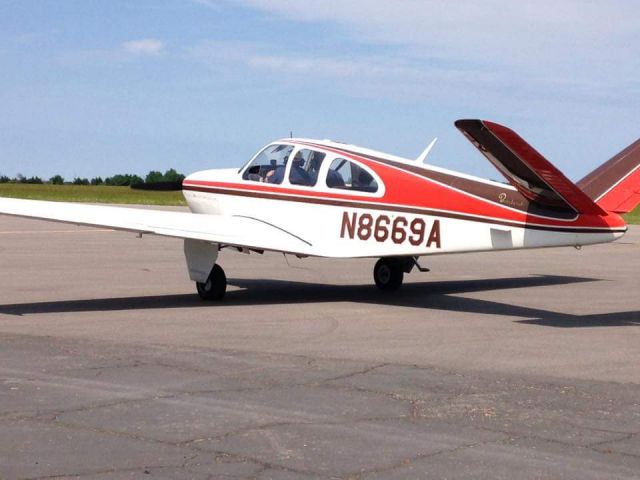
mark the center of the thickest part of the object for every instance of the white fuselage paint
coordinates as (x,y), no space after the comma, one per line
(320,226)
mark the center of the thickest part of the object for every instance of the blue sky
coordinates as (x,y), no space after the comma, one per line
(102,87)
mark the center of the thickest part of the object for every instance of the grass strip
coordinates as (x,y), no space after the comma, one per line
(91,194)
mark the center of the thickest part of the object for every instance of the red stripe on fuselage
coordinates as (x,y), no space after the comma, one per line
(294,195)
(396,209)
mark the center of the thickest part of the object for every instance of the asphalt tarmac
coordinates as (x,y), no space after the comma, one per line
(497,365)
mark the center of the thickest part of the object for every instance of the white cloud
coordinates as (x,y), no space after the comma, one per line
(593,41)
(466,26)
(144,46)
(405,77)
(36,38)
(467,54)
(208,3)
(126,52)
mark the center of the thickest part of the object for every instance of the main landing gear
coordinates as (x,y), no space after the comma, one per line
(388,272)
(215,286)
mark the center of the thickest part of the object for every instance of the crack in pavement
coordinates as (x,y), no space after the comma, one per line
(103,471)
(363,371)
(255,408)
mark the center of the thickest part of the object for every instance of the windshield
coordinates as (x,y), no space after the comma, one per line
(270,164)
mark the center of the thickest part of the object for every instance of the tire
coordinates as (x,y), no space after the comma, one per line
(215,286)
(388,274)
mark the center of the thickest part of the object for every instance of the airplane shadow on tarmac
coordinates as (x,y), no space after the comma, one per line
(429,295)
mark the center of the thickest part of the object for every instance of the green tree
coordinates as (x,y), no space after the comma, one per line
(119,180)
(172,176)
(97,181)
(57,180)
(135,180)
(154,177)
(80,181)
(123,180)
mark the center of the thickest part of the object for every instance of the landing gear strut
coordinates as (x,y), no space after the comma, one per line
(215,286)
(389,272)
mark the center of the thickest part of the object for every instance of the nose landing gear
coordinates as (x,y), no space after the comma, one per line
(215,286)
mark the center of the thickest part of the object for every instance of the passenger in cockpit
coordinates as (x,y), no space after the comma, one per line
(299,175)
(314,169)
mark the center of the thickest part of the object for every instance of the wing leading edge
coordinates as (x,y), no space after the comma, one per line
(235,231)
(525,168)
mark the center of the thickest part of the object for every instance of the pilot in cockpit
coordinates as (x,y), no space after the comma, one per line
(297,176)
(276,173)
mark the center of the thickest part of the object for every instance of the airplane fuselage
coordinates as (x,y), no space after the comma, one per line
(414,211)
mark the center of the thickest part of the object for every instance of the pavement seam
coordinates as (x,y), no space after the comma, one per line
(265,465)
(410,460)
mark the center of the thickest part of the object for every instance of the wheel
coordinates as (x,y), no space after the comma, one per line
(215,286)
(388,274)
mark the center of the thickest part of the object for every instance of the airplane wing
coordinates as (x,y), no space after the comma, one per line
(526,169)
(236,231)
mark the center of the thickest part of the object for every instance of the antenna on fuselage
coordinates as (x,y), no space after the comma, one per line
(423,156)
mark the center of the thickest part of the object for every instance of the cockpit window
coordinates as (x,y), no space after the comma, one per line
(348,175)
(270,164)
(305,167)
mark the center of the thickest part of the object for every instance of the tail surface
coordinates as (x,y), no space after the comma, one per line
(615,185)
(526,169)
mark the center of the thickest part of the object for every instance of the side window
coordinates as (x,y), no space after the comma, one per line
(269,166)
(350,176)
(305,167)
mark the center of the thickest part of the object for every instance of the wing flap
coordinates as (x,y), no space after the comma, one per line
(236,231)
(525,168)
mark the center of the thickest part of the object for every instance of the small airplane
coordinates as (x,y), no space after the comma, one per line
(327,199)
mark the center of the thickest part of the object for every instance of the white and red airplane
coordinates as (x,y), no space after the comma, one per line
(326,199)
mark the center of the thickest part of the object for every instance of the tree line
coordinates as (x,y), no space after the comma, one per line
(120,180)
